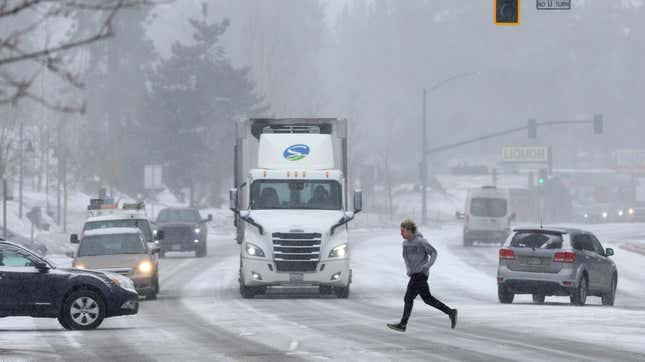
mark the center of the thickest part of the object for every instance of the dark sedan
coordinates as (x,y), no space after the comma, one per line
(80,299)
(183,230)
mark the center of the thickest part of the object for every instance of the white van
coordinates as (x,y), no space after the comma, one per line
(487,215)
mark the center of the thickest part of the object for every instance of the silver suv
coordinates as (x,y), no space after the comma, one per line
(546,262)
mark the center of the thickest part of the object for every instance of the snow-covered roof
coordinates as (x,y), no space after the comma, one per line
(118,216)
(111,231)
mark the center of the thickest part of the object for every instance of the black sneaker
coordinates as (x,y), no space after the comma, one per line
(453,318)
(397,327)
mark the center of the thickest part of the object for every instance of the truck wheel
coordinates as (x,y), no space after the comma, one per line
(201,252)
(342,292)
(609,297)
(83,310)
(579,294)
(505,296)
(538,298)
(152,295)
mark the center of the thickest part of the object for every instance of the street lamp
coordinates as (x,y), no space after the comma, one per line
(424,145)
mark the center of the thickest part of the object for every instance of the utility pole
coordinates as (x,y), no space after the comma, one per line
(4,208)
(20,142)
(424,163)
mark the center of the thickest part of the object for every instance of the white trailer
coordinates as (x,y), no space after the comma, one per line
(290,204)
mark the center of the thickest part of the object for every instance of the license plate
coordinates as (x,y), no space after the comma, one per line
(535,261)
(176,247)
(296,277)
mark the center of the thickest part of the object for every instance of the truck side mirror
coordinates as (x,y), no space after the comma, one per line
(358,201)
(160,235)
(512,217)
(232,199)
(73,238)
(609,252)
(210,217)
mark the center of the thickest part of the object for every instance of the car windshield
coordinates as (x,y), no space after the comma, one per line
(536,240)
(178,215)
(142,224)
(488,207)
(111,244)
(296,194)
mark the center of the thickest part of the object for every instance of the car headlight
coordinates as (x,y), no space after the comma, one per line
(620,212)
(254,250)
(79,265)
(339,251)
(197,230)
(145,266)
(631,211)
(604,214)
(154,232)
(122,282)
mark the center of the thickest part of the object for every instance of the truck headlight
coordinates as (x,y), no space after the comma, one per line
(197,230)
(254,250)
(339,251)
(145,266)
(79,265)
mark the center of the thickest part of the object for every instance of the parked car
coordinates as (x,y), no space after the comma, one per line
(80,299)
(183,230)
(122,251)
(34,245)
(556,261)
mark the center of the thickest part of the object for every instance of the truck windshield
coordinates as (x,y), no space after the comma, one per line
(488,207)
(296,194)
(111,244)
(178,215)
(123,223)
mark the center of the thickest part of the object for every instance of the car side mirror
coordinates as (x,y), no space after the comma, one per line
(41,266)
(232,200)
(459,215)
(609,252)
(358,201)
(73,238)
(210,217)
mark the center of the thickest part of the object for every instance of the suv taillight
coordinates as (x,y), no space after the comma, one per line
(506,254)
(564,257)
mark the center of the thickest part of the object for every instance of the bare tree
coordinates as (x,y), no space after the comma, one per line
(22,20)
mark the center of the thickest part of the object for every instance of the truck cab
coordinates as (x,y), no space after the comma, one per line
(291,207)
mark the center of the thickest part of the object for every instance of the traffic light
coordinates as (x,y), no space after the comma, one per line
(507,12)
(541,177)
(532,128)
(597,123)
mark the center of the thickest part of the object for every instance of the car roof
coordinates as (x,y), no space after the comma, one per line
(118,216)
(10,243)
(179,208)
(553,230)
(111,231)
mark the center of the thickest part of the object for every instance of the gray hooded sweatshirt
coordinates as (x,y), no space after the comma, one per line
(418,254)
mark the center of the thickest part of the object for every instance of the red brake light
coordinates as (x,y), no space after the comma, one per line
(564,257)
(506,254)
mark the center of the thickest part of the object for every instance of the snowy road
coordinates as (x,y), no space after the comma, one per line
(200,316)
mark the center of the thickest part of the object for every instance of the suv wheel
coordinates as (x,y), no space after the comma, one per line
(609,297)
(342,292)
(538,298)
(82,310)
(579,294)
(201,252)
(505,296)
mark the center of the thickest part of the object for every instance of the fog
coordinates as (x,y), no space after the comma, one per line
(169,84)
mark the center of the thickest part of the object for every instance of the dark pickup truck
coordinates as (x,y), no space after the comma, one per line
(183,229)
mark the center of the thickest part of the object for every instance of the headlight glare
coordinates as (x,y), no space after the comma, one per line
(145,266)
(254,250)
(197,230)
(339,251)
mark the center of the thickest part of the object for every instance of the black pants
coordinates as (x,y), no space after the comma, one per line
(418,285)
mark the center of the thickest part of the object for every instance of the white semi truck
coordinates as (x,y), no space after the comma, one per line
(291,204)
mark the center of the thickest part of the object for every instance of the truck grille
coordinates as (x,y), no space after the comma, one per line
(296,252)
(177,234)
